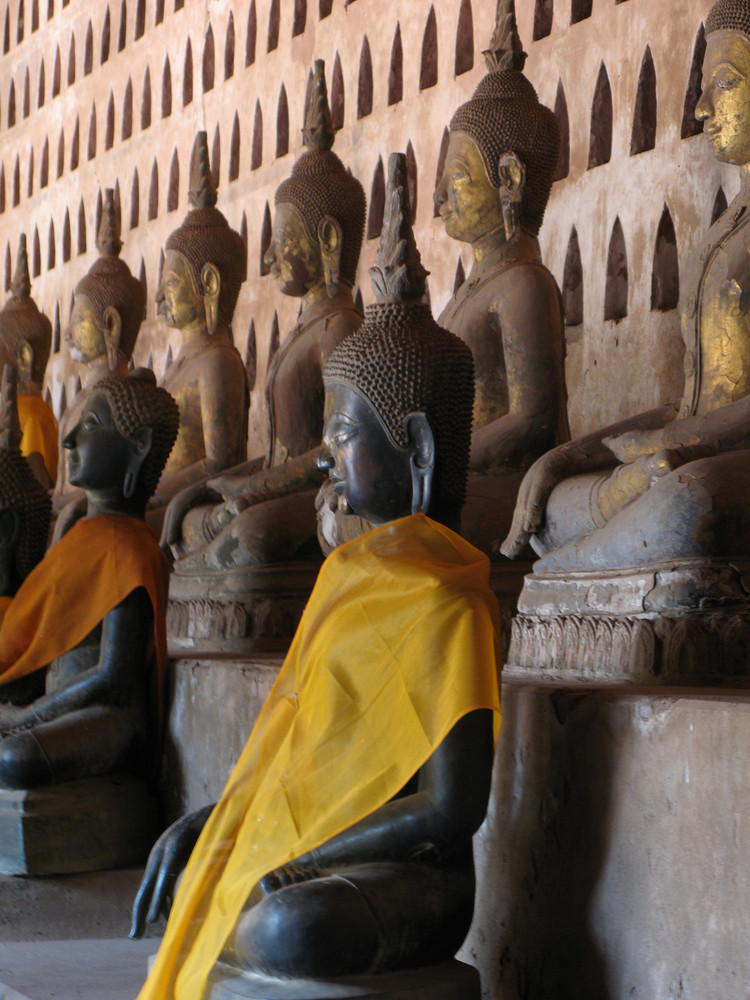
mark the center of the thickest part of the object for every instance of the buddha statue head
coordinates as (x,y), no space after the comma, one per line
(205,261)
(503,148)
(26,333)
(108,301)
(400,390)
(25,506)
(120,445)
(319,220)
(725,102)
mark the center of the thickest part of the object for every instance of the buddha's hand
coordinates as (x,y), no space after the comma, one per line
(288,875)
(241,491)
(177,508)
(228,486)
(531,504)
(168,857)
(631,445)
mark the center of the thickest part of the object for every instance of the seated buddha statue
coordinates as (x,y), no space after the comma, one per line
(342,843)
(268,513)
(26,337)
(88,615)
(108,304)
(205,263)
(672,482)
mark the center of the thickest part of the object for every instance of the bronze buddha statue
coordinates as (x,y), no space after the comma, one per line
(84,620)
(671,483)
(268,513)
(26,338)
(393,888)
(205,264)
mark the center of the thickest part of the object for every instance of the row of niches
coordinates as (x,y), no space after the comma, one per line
(544,14)
(463,60)
(665,269)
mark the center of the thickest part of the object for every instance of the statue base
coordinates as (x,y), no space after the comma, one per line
(94,824)
(449,981)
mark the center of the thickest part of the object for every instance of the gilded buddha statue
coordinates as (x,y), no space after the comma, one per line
(343,846)
(205,264)
(268,513)
(26,341)
(673,482)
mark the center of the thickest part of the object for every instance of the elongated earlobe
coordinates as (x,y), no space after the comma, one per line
(421,443)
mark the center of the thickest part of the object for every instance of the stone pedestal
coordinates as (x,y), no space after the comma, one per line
(613,862)
(449,981)
(94,824)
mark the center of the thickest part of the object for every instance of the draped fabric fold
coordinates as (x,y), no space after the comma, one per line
(396,644)
(39,432)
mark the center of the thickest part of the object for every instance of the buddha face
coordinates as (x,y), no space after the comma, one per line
(294,261)
(724,106)
(98,454)
(466,199)
(84,333)
(369,473)
(177,298)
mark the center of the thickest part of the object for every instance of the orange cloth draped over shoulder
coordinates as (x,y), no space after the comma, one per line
(397,642)
(90,571)
(39,431)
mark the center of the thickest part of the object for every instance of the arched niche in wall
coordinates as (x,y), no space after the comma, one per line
(42,86)
(44,165)
(135,200)
(428,67)
(266,235)
(282,123)
(376,204)
(460,276)
(719,205)
(20,23)
(207,76)
(146,100)
(75,146)
(464,60)
(665,274)
(580,10)
(411,178)
(690,124)
(300,17)
(91,151)
(26,94)
(60,155)
(600,136)
(273,26)
(173,191)
(234,152)
(396,69)
(140,19)
(6,32)
(643,136)
(543,15)
(122,36)
(187,75)
(443,152)
(109,127)
(324,8)
(51,247)
(562,167)
(56,325)
(216,156)
(243,229)
(106,38)
(364,80)
(88,50)
(616,288)
(2,188)
(256,149)
(166,90)
(158,12)
(12,104)
(337,94)
(8,265)
(81,241)
(98,214)
(273,340)
(36,256)
(153,192)
(127,111)
(572,289)
(30,174)
(252,35)
(251,356)
(16,183)
(229,49)
(66,242)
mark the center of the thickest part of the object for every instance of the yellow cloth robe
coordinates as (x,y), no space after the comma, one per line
(39,431)
(90,571)
(396,644)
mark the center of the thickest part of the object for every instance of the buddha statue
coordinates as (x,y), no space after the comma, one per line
(26,338)
(671,483)
(268,513)
(87,616)
(108,304)
(341,845)
(205,264)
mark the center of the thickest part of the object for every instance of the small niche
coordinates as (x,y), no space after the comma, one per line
(690,124)
(178,5)
(135,200)
(127,112)
(411,179)
(252,35)
(20,25)
(273,26)
(364,84)
(12,104)
(266,235)
(2,188)
(6,32)
(36,256)
(91,151)
(166,90)
(8,266)
(543,14)
(460,277)
(229,49)
(561,113)
(88,51)
(56,73)
(464,60)
(251,357)
(160,272)
(187,76)
(580,10)
(40,94)
(376,207)
(117,203)
(146,100)
(616,290)
(16,183)
(75,147)
(81,244)
(324,8)
(66,240)
(158,12)
(216,156)
(719,206)
(337,94)
(358,301)
(300,17)
(26,95)
(256,151)
(243,229)
(440,167)
(282,124)
(140,19)
(396,71)
(600,138)
(106,36)
(60,155)
(98,214)
(153,192)
(428,68)
(234,151)
(44,167)
(51,249)
(643,136)
(30,175)
(208,61)
(34,16)
(123,35)
(572,289)
(273,340)
(665,275)
(109,129)
(173,191)
(56,328)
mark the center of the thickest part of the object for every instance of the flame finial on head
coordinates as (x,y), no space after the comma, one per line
(317,132)
(505,50)
(108,240)
(202,193)
(398,273)
(21,284)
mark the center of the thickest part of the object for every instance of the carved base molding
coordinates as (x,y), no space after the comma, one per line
(685,624)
